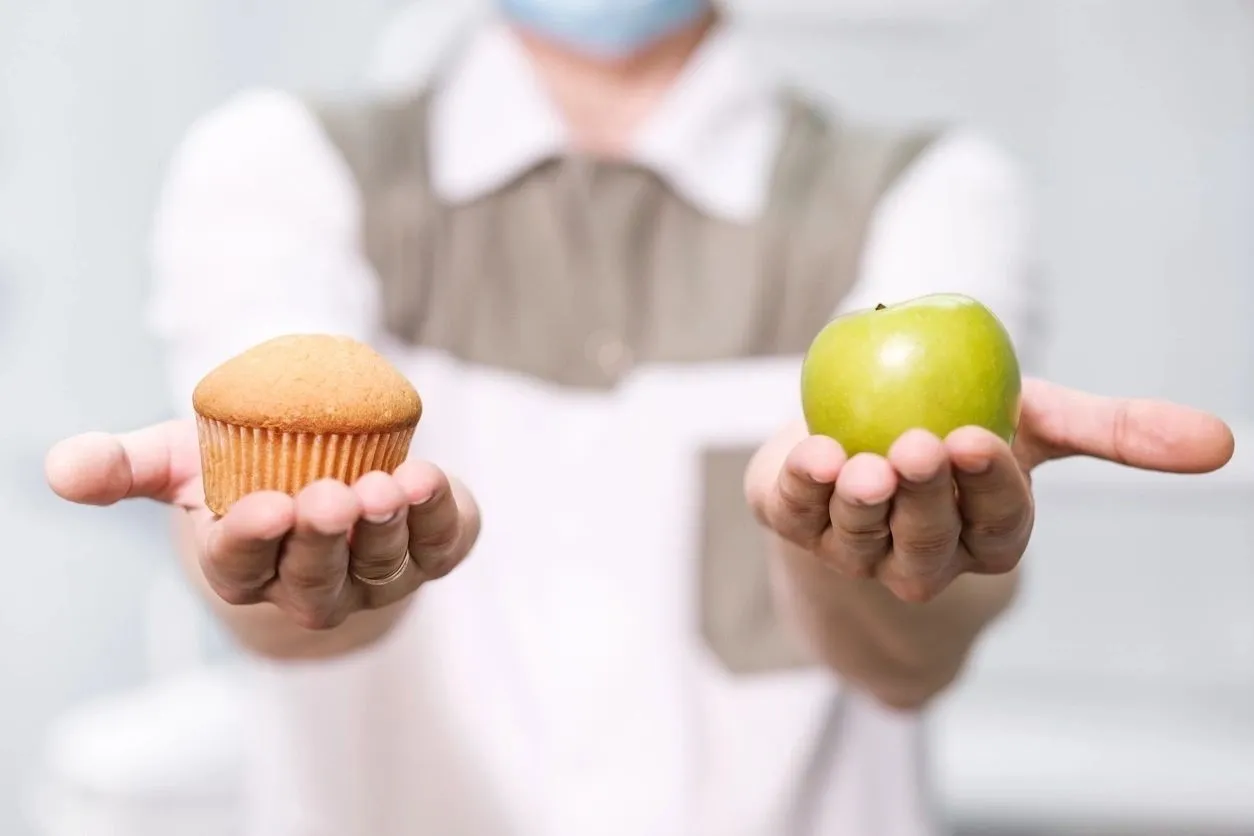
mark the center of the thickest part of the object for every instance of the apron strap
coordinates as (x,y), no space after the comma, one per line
(829,179)
(385,143)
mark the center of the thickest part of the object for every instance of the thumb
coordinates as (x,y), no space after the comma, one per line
(101,469)
(1148,434)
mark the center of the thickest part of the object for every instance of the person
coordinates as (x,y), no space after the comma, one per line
(598,240)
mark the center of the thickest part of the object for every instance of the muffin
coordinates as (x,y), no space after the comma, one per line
(297,409)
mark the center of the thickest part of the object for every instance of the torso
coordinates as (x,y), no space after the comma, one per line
(598,360)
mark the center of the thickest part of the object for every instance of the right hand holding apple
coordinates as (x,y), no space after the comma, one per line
(320,556)
(923,441)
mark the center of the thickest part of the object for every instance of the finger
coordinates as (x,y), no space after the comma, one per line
(860,536)
(994,499)
(798,509)
(924,519)
(313,565)
(762,474)
(241,550)
(1147,434)
(380,542)
(101,469)
(437,535)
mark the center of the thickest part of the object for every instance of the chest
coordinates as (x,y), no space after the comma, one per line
(580,275)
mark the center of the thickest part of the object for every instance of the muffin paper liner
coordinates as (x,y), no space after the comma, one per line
(237,461)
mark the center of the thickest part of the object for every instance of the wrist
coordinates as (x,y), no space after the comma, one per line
(265,631)
(903,653)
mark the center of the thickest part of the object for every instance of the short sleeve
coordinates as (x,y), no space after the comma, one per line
(957,221)
(256,235)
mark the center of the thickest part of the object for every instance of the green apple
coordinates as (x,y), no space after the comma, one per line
(937,362)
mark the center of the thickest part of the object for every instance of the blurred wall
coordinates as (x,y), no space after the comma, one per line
(1135,119)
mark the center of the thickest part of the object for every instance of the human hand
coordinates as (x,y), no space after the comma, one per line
(934,509)
(331,551)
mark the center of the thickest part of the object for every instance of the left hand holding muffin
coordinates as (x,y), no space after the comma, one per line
(295,483)
(304,554)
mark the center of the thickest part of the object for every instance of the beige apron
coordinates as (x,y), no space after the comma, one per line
(516,282)
(518,279)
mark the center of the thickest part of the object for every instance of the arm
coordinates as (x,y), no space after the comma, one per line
(257,235)
(955,223)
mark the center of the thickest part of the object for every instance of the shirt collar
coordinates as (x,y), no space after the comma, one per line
(713,138)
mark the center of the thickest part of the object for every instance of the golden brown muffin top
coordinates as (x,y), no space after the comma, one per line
(309,383)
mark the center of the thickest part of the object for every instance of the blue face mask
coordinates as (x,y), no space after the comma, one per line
(605,27)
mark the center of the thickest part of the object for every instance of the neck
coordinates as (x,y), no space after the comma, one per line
(605,101)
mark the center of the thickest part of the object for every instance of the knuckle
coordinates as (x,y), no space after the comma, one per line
(865,536)
(1000,526)
(929,542)
(990,483)
(796,502)
(434,539)
(310,581)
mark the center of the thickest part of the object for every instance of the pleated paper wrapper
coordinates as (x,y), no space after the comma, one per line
(237,461)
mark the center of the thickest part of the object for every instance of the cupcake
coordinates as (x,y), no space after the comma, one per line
(297,409)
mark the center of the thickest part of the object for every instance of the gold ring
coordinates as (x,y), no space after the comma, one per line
(400,570)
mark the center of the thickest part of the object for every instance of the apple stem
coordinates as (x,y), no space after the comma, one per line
(880,306)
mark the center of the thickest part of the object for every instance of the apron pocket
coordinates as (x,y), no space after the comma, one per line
(740,620)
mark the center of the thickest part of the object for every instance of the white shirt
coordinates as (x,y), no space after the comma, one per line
(555,684)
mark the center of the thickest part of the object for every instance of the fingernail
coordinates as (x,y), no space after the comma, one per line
(871,501)
(975,468)
(382,519)
(418,503)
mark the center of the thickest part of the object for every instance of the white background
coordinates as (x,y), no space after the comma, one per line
(1134,119)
